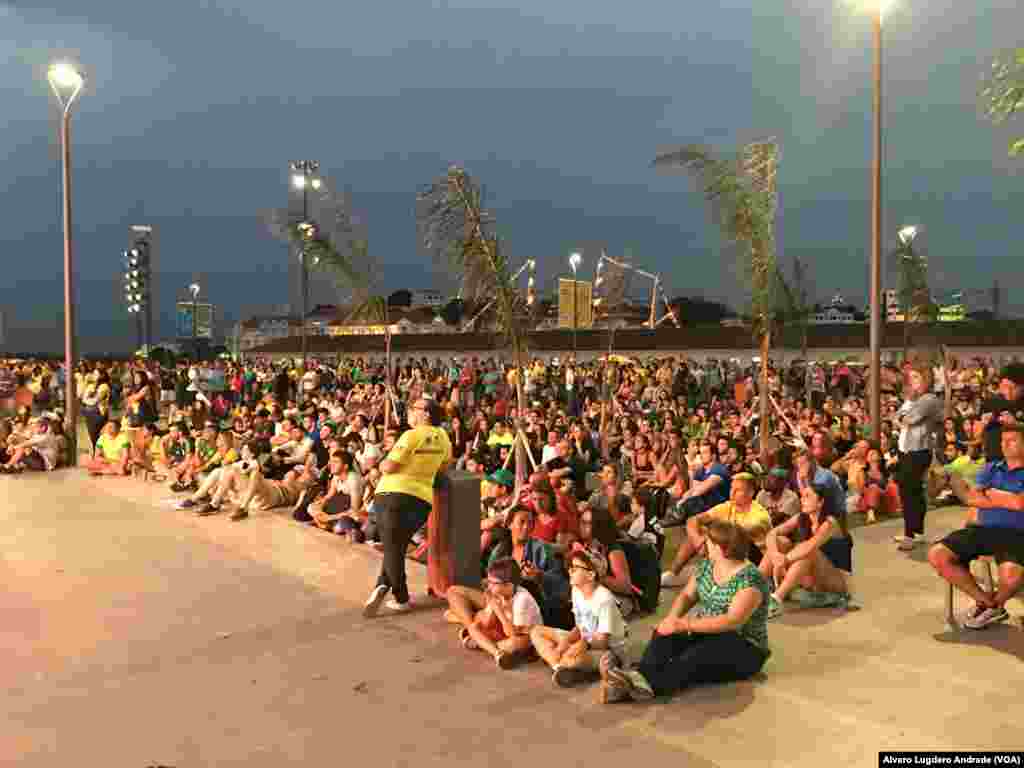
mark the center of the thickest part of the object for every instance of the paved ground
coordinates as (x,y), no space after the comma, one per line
(134,635)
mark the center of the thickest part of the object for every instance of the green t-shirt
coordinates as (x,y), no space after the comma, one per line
(205,450)
(715,599)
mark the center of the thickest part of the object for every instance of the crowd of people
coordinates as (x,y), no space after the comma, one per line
(580,490)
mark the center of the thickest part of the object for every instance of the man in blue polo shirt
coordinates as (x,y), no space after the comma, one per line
(710,486)
(998,501)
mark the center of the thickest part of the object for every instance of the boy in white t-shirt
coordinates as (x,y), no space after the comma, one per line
(575,656)
(499,620)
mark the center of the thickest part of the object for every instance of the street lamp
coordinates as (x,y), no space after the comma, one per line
(878,9)
(303,178)
(194,290)
(907,235)
(67,82)
(574,261)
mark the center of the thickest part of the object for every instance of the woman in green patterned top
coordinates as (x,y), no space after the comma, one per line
(724,638)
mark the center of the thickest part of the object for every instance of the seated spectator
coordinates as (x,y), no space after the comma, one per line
(780,501)
(997,530)
(498,621)
(112,452)
(341,508)
(875,491)
(574,655)
(244,484)
(38,452)
(175,446)
(146,454)
(494,507)
(611,499)
(539,561)
(205,448)
(290,454)
(741,510)
(809,472)
(709,487)
(551,523)
(501,436)
(856,455)
(951,482)
(724,638)
(598,533)
(812,550)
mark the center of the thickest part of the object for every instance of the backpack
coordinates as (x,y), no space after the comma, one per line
(645,572)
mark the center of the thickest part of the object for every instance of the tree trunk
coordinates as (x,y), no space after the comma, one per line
(766,345)
(521,460)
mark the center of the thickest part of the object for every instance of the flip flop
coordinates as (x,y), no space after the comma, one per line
(466,641)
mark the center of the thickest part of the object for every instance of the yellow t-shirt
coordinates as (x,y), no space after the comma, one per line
(756,521)
(420,452)
(113,448)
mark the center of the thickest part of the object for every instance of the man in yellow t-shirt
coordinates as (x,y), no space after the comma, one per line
(740,509)
(404,498)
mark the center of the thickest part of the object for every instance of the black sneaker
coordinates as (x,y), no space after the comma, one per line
(178,488)
(240,514)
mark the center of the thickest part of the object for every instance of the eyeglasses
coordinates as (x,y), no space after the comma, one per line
(575,567)
(497,582)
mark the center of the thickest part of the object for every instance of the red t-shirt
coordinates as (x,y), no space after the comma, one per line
(565,519)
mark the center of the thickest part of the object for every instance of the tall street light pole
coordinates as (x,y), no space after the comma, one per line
(303,177)
(66,82)
(876,232)
(194,290)
(574,261)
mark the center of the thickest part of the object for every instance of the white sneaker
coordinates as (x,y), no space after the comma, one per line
(396,607)
(983,617)
(669,579)
(373,602)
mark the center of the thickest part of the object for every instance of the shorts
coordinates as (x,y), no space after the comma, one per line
(839,552)
(1006,545)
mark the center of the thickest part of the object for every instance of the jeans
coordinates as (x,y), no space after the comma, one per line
(94,423)
(399,516)
(674,662)
(910,479)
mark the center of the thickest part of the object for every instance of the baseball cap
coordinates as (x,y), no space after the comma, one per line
(502,477)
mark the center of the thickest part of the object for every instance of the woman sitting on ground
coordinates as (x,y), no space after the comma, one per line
(871,481)
(112,452)
(574,656)
(551,524)
(598,533)
(499,620)
(811,550)
(724,638)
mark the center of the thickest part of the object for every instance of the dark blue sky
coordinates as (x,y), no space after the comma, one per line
(193,111)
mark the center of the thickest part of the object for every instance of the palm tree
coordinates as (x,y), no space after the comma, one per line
(453,226)
(1002,93)
(742,194)
(328,238)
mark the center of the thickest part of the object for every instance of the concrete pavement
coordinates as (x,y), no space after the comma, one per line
(133,634)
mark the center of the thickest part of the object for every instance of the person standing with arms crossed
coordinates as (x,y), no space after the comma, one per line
(404,498)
